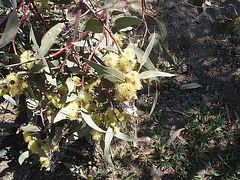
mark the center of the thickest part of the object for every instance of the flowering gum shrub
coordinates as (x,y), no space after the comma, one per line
(78,79)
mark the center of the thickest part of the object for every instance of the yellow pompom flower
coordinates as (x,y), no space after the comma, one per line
(73,106)
(96,135)
(124,92)
(112,60)
(45,161)
(84,97)
(34,145)
(25,57)
(133,77)
(15,85)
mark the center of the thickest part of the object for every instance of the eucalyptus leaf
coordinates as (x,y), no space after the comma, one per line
(60,115)
(23,157)
(154,102)
(10,29)
(148,50)
(78,134)
(191,86)
(50,38)
(49,76)
(56,139)
(152,73)
(113,75)
(31,128)
(108,138)
(10,99)
(87,118)
(139,53)
(94,25)
(125,137)
(124,22)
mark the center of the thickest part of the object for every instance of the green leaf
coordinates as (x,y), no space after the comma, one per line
(152,73)
(70,84)
(49,76)
(56,139)
(191,86)
(139,53)
(154,102)
(11,29)
(23,157)
(117,12)
(32,37)
(125,137)
(5,3)
(10,99)
(162,33)
(60,115)
(109,3)
(148,50)
(31,128)
(124,22)
(108,138)
(111,74)
(50,38)
(94,25)
(32,104)
(78,134)
(87,118)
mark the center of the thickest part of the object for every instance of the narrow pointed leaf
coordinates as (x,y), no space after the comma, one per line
(191,86)
(139,53)
(154,102)
(50,38)
(23,157)
(111,74)
(152,73)
(148,50)
(108,139)
(87,118)
(33,38)
(10,29)
(10,99)
(125,137)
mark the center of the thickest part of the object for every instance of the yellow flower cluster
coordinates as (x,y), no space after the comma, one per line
(25,57)
(13,84)
(35,143)
(111,118)
(126,64)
